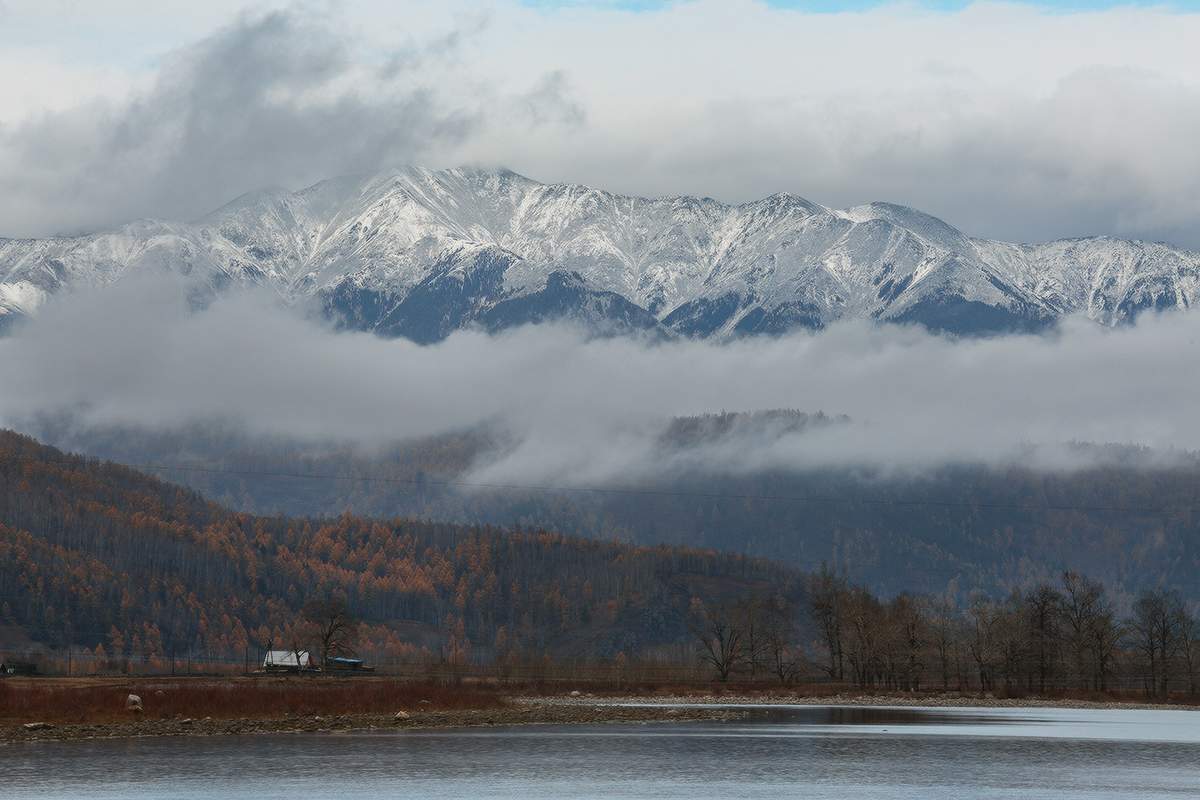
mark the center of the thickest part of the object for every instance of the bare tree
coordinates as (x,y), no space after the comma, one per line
(864,635)
(781,654)
(1010,635)
(333,626)
(982,642)
(752,615)
(945,632)
(1154,628)
(1189,645)
(1042,612)
(1082,602)
(905,645)
(1106,634)
(827,596)
(720,638)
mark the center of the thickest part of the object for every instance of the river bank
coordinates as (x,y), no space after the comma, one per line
(538,711)
(164,716)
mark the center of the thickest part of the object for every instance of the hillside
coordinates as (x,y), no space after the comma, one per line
(418,253)
(1128,519)
(127,566)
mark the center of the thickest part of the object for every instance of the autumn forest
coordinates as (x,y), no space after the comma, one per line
(104,569)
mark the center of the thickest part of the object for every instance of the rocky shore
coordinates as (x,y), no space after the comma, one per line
(578,711)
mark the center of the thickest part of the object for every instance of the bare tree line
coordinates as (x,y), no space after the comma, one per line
(1054,636)
(755,636)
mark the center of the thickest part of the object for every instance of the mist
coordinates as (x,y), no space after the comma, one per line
(580,410)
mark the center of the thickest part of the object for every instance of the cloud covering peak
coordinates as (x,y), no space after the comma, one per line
(1008,120)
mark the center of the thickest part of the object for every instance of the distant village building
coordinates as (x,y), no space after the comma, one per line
(342,663)
(18,668)
(287,661)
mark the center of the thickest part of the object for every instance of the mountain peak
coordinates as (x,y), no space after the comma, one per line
(927,226)
(412,246)
(787,201)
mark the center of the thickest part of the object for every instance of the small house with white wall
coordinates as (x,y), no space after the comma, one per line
(287,661)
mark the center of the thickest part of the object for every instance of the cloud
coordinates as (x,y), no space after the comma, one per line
(268,99)
(1008,120)
(592,410)
(550,102)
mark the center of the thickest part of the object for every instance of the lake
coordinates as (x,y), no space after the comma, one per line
(809,752)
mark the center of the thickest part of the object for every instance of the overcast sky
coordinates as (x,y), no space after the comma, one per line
(1020,121)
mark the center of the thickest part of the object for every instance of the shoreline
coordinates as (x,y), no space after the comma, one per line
(875,700)
(516,711)
(581,709)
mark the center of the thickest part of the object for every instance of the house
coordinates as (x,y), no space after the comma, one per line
(341,663)
(287,661)
(18,668)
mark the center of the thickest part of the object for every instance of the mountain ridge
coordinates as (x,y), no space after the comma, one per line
(420,253)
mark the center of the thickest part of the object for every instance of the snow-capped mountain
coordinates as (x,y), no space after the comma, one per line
(420,253)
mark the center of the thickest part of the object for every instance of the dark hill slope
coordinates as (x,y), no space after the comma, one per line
(100,555)
(1130,519)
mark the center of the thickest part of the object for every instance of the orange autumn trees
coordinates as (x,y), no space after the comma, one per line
(102,557)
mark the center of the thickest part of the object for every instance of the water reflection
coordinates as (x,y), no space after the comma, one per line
(882,716)
(1142,725)
(812,752)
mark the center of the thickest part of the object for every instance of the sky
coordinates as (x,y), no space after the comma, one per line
(1024,121)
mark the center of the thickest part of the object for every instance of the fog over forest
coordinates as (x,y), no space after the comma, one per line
(580,409)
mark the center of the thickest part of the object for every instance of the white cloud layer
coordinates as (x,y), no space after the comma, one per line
(1007,120)
(590,410)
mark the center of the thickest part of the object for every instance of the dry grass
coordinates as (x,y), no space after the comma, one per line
(103,700)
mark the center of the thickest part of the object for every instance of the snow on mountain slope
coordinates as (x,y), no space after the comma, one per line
(420,253)
(18,300)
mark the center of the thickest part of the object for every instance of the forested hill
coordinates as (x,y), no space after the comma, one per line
(103,557)
(1129,519)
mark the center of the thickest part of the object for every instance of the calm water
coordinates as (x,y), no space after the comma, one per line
(807,752)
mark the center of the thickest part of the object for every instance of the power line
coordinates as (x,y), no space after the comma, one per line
(515,487)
